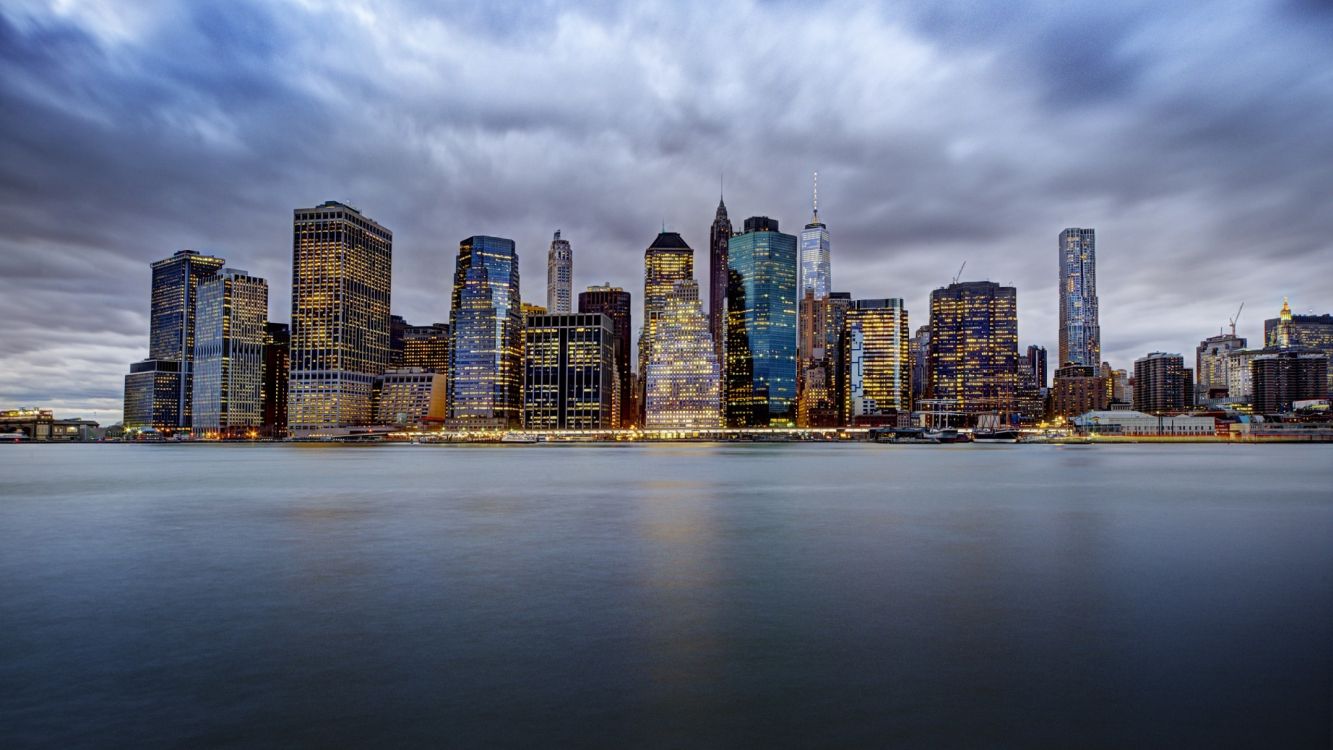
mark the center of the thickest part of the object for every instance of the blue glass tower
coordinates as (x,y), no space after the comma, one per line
(486,351)
(1080,333)
(761,326)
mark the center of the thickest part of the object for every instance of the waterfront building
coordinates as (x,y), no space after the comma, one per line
(341,274)
(1303,331)
(231,313)
(761,326)
(1079,389)
(486,347)
(570,380)
(427,347)
(1212,362)
(152,396)
(879,381)
(616,304)
(816,273)
(815,370)
(41,426)
(974,346)
(1136,423)
(559,276)
(277,372)
(1285,376)
(1162,384)
(172,318)
(1080,332)
(719,234)
(1036,365)
(410,397)
(682,382)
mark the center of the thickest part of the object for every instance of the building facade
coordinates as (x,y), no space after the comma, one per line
(682,382)
(761,326)
(876,348)
(1212,365)
(410,397)
(974,346)
(1162,384)
(231,316)
(152,396)
(1283,377)
(559,276)
(1036,363)
(1303,331)
(816,266)
(1136,423)
(665,262)
(719,235)
(815,388)
(1079,389)
(486,330)
(277,373)
(427,347)
(342,268)
(1080,332)
(616,304)
(570,380)
(172,318)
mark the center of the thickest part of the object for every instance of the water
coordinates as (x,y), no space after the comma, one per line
(666,596)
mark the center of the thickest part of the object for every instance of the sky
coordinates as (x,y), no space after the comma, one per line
(1196,138)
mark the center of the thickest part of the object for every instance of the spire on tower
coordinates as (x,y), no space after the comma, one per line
(815,199)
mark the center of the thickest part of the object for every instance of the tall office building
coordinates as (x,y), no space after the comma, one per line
(152,396)
(1036,362)
(486,350)
(761,326)
(615,303)
(1162,384)
(397,330)
(974,346)
(570,380)
(1212,365)
(835,316)
(918,352)
(1080,332)
(876,345)
(277,373)
(682,381)
(172,319)
(1285,376)
(815,266)
(665,262)
(815,387)
(1304,331)
(342,268)
(231,314)
(719,234)
(559,276)
(427,348)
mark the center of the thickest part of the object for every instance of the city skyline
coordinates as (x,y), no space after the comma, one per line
(1191,179)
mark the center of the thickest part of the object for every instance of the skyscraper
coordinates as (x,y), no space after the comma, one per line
(172,320)
(152,396)
(879,375)
(836,307)
(230,318)
(277,373)
(559,276)
(974,346)
(570,380)
(1305,331)
(486,351)
(1080,333)
(719,234)
(342,268)
(1285,376)
(1162,384)
(761,326)
(1036,357)
(682,381)
(427,348)
(815,267)
(918,350)
(815,387)
(615,303)
(1212,365)
(665,262)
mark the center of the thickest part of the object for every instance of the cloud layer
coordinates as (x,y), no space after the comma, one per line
(1194,139)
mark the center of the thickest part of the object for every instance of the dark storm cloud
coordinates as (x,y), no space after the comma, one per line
(1193,138)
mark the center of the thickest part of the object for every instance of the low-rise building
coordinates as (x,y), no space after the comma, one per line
(1126,422)
(41,426)
(410,397)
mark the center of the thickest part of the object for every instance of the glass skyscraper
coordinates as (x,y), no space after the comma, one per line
(231,317)
(570,380)
(816,269)
(616,304)
(559,276)
(974,346)
(683,378)
(1080,333)
(342,268)
(486,352)
(876,345)
(761,326)
(172,320)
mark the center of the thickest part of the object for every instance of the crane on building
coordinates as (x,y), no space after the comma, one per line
(960,272)
(1235,318)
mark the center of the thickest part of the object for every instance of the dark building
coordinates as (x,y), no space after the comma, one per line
(616,304)
(1079,389)
(426,348)
(974,347)
(719,234)
(172,318)
(397,338)
(1036,357)
(152,396)
(1282,378)
(1301,331)
(277,370)
(570,379)
(761,326)
(838,304)
(1162,384)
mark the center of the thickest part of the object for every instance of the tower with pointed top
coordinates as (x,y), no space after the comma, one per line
(559,276)
(718,237)
(815,253)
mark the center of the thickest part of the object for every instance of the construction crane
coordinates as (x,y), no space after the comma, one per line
(1235,318)
(960,272)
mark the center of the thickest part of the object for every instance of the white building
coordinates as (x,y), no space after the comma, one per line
(1124,422)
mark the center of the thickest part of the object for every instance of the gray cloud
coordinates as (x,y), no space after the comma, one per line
(1194,140)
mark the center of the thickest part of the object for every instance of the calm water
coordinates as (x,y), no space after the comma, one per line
(666,596)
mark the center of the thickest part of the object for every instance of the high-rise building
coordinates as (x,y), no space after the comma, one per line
(342,268)
(570,380)
(1079,389)
(559,276)
(918,352)
(1080,333)
(1031,391)
(761,326)
(974,346)
(1285,376)
(1212,364)
(231,313)
(682,381)
(816,274)
(427,347)
(410,397)
(719,234)
(615,303)
(1162,384)
(1036,363)
(815,387)
(836,307)
(172,319)
(277,373)
(879,380)
(152,396)
(1240,383)
(486,350)
(1121,392)
(1303,331)
(665,262)
(397,330)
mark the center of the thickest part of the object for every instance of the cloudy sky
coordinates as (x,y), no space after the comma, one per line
(1196,138)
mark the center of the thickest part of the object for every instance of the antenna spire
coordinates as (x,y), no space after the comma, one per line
(815,199)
